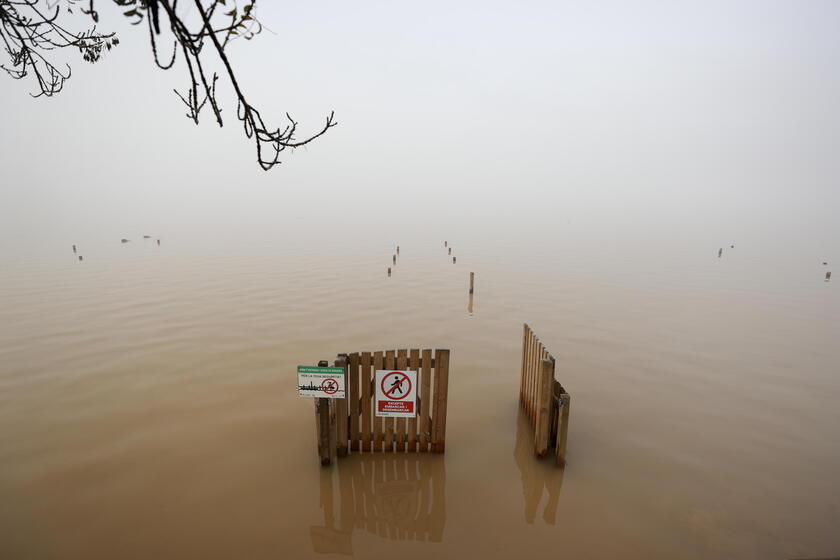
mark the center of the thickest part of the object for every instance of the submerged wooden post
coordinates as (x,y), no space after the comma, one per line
(341,429)
(563,427)
(441,399)
(546,377)
(322,424)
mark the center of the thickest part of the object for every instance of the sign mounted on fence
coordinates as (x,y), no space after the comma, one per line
(321,382)
(396,393)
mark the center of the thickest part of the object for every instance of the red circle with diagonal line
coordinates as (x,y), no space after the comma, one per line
(329,386)
(394,387)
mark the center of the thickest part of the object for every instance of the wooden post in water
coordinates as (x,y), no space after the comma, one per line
(366,408)
(395,259)
(322,423)
(472,282)
(398,249)
(827,274)
(543,407)
(563,428)
(425,402)
(453,259)
(377,420)
(445,243)
(442,397)
(389,271)
(450,250)
(341,409)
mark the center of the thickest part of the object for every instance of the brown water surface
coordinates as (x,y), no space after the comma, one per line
(148,406)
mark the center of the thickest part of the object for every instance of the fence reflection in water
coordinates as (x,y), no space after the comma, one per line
(539,476)
(400,498)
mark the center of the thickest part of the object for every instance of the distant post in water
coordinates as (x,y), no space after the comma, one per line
(389,271)
(80,258)
(395,259)
(445,243)
(472,283)
(720,252)
(74,248)
(398,249)
(450,250)
(828,275)
(453,260)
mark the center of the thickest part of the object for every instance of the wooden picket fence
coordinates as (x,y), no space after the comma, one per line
(349,425)
(544,399)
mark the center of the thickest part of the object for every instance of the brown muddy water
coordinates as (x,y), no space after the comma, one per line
(148,405)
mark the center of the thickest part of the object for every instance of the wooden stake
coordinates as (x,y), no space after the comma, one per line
(414,365)
(389,422)
(366,402)
(441,398)
(398,249)
(450,250)
(425,404)
(401,431)
(563,428)
(341,410)
(378,429)
(827,274)
(544,408)
(322,423)
(453,260)
(522,370)
(389,271)
(353,400)
(472,282)
(74,248)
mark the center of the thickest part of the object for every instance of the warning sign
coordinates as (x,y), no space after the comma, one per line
(322,382)
(396,393)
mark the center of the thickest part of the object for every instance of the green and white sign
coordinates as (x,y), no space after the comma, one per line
(321,382)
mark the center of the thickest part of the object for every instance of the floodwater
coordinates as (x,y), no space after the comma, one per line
(148,402)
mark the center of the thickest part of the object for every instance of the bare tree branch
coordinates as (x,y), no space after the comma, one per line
(29,31)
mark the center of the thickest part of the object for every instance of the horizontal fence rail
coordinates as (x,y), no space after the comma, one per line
(544,399)
(350,425)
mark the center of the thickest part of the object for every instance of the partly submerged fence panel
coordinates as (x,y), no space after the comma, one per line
(544,399)
(350,425)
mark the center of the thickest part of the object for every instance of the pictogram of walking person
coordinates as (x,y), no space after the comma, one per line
(396,385)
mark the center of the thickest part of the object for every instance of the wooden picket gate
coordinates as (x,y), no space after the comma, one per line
(349,425)
(544,399)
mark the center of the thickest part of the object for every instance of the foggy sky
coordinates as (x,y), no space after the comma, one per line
(492,115)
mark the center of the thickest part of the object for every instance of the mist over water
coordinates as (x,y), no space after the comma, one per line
(587,167)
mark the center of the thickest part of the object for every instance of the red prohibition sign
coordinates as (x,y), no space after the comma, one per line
(329,385)
(396,385)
